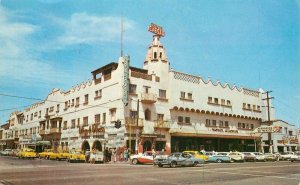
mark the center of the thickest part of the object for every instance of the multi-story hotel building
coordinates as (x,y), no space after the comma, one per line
(156,105)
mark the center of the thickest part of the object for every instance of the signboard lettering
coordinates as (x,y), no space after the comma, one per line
(268,129)
(158,30)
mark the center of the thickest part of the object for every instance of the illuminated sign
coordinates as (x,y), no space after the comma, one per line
(157,30)
(126,80)
(225,130)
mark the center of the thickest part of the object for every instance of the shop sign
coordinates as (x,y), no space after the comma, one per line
(268,129)
(294,141)
(126,80)
(94,129)
(158,30)
(225,130)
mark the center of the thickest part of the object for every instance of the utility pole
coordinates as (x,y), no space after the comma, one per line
(269,120)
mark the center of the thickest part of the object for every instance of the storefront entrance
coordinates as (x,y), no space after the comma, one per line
(85,146)
(97,145)
(179,144)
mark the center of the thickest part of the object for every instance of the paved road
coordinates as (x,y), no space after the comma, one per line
(39,171)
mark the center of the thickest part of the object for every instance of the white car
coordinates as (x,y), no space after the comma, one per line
(95,157)
(259,156)
(6,152)
(236,156)
(286,155)
(295,157)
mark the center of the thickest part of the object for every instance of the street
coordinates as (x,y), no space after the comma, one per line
(39,171)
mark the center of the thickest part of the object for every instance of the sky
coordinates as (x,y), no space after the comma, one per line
(46,44)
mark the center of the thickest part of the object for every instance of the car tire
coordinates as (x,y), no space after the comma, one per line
(160,165)
(134,161)
(195,164)
(219,161)
(173,164)
(292,161)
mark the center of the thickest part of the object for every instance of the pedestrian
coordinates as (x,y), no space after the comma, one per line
(105,155)
(109,155)
(126,154)
(87,156)
(153,154)
(114,155)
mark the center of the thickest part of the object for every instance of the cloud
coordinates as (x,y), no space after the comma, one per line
(18,57)
(83,28)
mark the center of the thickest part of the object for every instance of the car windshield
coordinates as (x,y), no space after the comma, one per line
(29,150)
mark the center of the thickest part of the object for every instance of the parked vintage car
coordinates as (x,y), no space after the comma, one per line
(271,157)
(5,152)
(259,156)
(197,154)
(142,158)
(295,157)
(76,155)
(13,152)
(45,154)
(65,154)
(234,156)
(27,153)
(286,155)
(248,156)
(96,157)
(218,158)
(178,159)
(55,155)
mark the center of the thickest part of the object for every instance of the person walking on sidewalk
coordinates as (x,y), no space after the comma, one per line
(114,155)
(105,155)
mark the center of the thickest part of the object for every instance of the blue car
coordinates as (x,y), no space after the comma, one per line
(178,159)
(217,158)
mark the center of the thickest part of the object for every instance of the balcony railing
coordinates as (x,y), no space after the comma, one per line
(55,130)
(162,124)
(148,98)
(42,132)
(133,122)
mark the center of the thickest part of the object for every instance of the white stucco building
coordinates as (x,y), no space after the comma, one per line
(164,108)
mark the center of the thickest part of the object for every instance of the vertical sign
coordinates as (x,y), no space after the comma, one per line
(126,80)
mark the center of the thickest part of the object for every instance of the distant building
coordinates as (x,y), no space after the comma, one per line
(285,139)
(158,108)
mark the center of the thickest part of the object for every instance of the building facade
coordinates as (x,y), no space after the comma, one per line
(156,105)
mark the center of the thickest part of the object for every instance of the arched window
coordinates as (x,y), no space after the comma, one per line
(155,55)
(147,114)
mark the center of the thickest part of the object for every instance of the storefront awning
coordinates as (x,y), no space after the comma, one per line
(43,143)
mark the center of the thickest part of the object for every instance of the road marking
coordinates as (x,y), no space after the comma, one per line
(254,175)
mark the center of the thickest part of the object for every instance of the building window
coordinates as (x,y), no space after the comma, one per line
(162,93)
(190,96)
(290,133)
(147,114)
(182,95)
(98,94)
(214,123)
(216,101)
(254,107)
(86,99)
(252,126)
(244,105)
(209,99)
(155,55)
(146,89)
(133,114)
(207,122)
(243,125)
(103,118)
(73,123)
(78,122)
(40,114)
(77,102)
(180,119)
(258,107)
(228,103)
(222,102)
(97,119)
(73,103)
(65,125)
(51,109)
(249,106)
(160,117)
(221,124)
(57,108)
(226,124)
(239,125)
(66,105)
(187,120)
(132,88)
(85,121)
(112,115)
